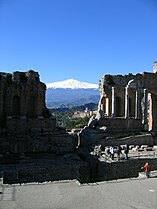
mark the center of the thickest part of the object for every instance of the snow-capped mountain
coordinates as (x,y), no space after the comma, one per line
(72,84)
(71,93)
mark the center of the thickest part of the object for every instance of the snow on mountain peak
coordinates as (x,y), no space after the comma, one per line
(72,84)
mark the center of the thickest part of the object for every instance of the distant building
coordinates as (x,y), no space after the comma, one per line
(83,114)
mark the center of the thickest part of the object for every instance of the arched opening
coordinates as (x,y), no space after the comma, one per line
(16,106)
(31,107)
(103,104)
(130,107)
(130,99)
(118,106)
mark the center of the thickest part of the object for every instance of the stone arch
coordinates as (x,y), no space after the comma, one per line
(104,105)
(151,111)
(131,84)
(130,99)
(16,106)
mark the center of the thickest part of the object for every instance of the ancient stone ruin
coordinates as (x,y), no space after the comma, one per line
(26,125)
(127,114)
(22,103)
(129,102)
(32,148)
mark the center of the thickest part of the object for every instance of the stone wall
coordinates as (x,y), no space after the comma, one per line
(100,135)
(131,140)
(120,124)
(90,169)
(22,102)
(41,142)
(102,170)
(130,96)
(32,124)
(62,170)
(123,169)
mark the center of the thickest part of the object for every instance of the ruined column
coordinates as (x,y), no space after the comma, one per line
(126,103)
(152,112)
(137,105)
(102,107)
(145,106)
(113,102)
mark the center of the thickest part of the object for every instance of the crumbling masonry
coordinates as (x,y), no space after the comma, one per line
(22,103)
(129,102)
(32,148)
(37,150)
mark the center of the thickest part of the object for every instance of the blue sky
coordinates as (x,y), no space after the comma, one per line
(80,39)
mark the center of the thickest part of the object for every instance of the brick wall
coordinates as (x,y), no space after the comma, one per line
(120,123)
(53,172)
(103,171)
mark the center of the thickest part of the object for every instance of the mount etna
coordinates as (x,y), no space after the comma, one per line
(70,93)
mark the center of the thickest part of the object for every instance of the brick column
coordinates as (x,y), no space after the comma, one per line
(145,106)
(126,103)
(113,102)
(102,107)
(137,105)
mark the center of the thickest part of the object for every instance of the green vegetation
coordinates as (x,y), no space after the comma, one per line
(65,120)
(64,116)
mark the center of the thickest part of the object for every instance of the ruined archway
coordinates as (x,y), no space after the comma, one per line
(31,107)
(16,106)
(131,101)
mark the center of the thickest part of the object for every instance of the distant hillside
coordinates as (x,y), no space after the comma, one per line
(89,106)
(64,116)
(80,93)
